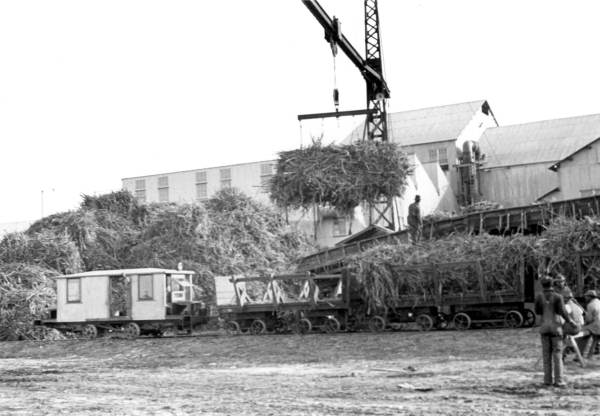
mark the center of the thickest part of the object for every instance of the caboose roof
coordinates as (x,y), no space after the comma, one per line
(124,272)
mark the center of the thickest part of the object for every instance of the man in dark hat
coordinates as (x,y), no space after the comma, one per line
(592,321)
(415,221)
(551,308)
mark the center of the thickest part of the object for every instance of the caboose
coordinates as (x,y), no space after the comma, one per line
(129,301)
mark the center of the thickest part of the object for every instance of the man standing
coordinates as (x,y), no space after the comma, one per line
(551,307)
(592,320)
(415,221)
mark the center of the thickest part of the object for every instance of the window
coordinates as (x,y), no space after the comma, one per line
(340,228)
(266,173)
(74,290)
(163,189)
(443,156)
(225,178)
(145,287)
(439,155)
(201,191)
(201,185)
(140,190)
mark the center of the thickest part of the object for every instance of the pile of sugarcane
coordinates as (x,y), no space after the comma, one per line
(339,176)
(26,291)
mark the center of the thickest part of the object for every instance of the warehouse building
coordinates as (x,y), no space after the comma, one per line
(540,161)
(200,184)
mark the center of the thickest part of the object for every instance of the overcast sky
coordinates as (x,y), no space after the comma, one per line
(95,91)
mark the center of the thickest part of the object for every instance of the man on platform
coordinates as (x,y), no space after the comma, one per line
(415,221)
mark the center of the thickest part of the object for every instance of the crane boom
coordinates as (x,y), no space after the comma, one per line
(370,67)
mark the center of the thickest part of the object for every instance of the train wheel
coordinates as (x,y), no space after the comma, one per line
(257,327)
(528,318)
(131,330)
(425,322)
(89,331)
(377,323)
(303,326)
(462,321)
(332,324)
(513,319)
(232,327)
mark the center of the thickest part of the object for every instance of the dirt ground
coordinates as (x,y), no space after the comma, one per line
(483,372)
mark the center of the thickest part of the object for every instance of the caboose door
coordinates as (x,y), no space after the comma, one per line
(119,296)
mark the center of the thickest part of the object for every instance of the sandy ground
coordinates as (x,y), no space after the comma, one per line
(483,372)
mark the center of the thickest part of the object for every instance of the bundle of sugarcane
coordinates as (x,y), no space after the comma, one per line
(339,176)
(26,292)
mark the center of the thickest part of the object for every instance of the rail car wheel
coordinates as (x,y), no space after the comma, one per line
(303,326)
(513,319)
(257,327)
(425,322)
(332,324)
(131,330)
(462,321)
(89,331)
(377,323)
(232,327)
(528,318)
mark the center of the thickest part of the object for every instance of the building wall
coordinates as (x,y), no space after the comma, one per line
(149,309)
(580,176)
(94,300)
(183,186)
(517,185)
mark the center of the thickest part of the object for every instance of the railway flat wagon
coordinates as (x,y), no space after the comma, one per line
(132,302)
(283,303)
(470,298)
(435,295)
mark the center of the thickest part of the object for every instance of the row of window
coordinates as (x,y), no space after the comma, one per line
(266,172)
(145,288)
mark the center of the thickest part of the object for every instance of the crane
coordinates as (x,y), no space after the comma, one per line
(377,91)
(371,68)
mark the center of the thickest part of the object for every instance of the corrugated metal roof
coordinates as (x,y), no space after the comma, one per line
(545,141)
(426,125)
(124,272)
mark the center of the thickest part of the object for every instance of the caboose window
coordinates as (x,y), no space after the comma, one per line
(73,290)
(145,287)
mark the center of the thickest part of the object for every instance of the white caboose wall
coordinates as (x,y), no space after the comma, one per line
(149,309)
(94,300)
